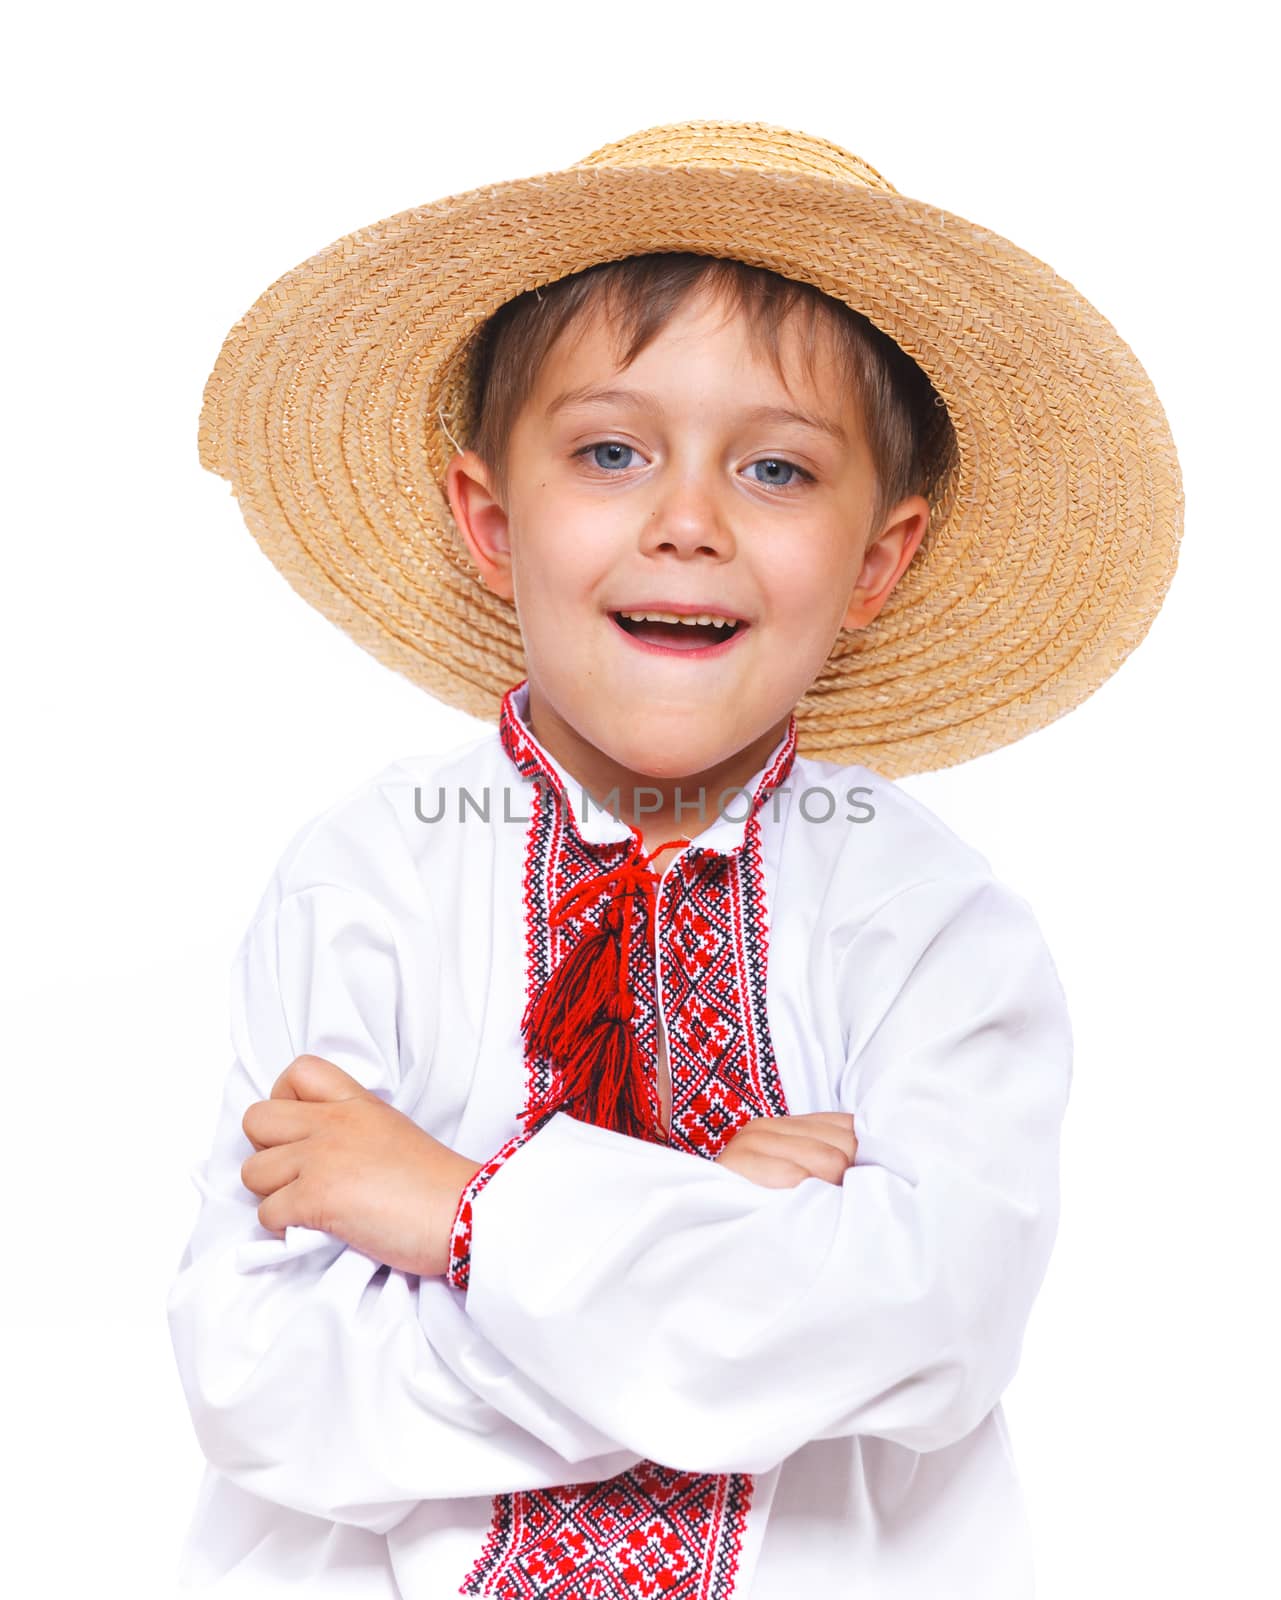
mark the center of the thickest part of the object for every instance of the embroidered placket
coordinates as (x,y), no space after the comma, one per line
(654,1530)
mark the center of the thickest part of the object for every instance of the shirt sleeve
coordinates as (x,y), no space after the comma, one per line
(459,1270)
(317,1377)
(716,1325)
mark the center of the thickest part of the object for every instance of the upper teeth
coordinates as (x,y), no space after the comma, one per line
(701,618)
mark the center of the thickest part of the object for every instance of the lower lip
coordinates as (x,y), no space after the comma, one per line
(704,652)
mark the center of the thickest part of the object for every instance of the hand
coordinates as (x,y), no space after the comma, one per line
(780,1152)
(332,1155)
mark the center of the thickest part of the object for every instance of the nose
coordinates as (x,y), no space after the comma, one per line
(686,519)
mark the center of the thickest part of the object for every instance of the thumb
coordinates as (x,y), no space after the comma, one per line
(314,1078)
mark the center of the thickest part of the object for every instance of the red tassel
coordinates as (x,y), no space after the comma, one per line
(581,1020)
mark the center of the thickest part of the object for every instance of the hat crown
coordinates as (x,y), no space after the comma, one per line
(758,145)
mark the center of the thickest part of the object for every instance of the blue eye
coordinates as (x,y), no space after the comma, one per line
(787,466)
(609,445)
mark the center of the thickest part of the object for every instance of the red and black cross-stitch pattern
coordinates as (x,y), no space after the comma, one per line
(712,951)
(648,1532)
(653,1530)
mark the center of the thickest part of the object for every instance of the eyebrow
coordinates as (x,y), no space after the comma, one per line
(589,395)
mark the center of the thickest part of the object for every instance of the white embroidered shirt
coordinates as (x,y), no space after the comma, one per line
(644,1374)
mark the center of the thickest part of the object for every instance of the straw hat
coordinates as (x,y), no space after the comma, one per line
(339,397)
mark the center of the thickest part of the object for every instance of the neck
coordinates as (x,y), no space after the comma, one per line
(659,806)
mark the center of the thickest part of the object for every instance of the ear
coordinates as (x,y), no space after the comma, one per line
(886,557)
(481,520)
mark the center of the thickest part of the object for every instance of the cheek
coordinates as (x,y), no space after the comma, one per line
(806,590)
(568,555)
(552,577)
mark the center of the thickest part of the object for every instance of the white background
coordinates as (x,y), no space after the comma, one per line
(175,711)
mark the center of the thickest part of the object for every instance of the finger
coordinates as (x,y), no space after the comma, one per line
(839,1137)
(271,1169)
(314,1078)
(820,1157)
(284,1209)
(271,1122)
(771,1172)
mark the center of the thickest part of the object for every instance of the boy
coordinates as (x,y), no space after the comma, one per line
(640,1157)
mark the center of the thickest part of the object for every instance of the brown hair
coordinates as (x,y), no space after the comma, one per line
(908,429)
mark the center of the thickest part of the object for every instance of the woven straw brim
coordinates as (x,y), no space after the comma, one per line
(339,398)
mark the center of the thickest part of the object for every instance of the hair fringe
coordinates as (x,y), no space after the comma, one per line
(909,431)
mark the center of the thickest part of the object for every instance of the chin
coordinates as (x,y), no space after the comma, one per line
(664,753)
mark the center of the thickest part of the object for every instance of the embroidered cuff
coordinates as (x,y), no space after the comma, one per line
(459,1273)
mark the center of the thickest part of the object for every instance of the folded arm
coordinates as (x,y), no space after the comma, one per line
(316,1376)
(716,1325)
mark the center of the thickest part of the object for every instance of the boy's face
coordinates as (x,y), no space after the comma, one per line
(677,491)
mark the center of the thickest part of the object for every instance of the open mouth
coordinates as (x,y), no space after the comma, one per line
(668,632)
